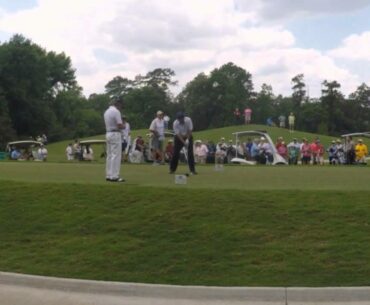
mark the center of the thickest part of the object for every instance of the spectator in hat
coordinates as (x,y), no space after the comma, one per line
(200,152)
(183,129)
(157,140)
(332,152)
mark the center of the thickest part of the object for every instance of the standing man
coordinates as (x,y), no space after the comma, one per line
(291,121)
(183,129)
(114,126)
(157,130)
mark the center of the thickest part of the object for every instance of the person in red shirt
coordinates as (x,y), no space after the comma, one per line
(314,151)
(168,152)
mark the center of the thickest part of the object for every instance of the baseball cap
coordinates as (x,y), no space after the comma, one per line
(180,115)
(159,112)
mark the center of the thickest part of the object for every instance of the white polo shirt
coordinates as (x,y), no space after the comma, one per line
(183,129)
(158,126)
(112,117)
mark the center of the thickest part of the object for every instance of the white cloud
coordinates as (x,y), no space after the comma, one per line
(189,36)
(354,47)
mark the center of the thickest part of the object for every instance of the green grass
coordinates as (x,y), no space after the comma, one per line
(247,226)
(197,237)
(233,177)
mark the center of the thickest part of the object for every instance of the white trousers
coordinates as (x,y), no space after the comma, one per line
(114,155)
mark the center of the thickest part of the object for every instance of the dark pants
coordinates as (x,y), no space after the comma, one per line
(176,154)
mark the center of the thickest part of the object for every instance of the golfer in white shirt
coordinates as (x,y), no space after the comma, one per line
(113,126)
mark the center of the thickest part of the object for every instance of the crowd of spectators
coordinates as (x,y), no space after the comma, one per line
(295,152)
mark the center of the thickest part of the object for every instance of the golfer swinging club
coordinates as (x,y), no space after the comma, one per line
(183,128)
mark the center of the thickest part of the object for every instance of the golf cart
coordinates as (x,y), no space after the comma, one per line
(89,156)
(26,150)
(365,134)
(276,158)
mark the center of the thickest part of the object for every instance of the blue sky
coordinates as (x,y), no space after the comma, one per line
(327,31)
(17,5)
(274,40)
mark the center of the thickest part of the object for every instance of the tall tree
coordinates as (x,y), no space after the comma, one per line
(331,101)
(31,78)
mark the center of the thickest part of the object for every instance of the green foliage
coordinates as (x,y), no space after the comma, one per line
(211,100)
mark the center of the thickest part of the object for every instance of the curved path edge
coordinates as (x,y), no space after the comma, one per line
(17,289)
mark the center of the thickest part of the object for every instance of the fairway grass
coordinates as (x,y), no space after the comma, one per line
(233,177)
(246,226)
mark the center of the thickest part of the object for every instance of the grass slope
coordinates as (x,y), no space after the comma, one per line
(194,237)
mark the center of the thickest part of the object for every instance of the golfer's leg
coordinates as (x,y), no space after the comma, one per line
(191,156)
(116,157)
(176,155)
(108,166)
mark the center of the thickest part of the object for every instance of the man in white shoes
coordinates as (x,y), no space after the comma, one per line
(114,126)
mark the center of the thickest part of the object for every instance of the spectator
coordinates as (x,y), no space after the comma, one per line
(248,148)
(77,150)
(321,152)
(15,154)
(291,121)
(221,150)
(247,115)
(166,120)
(200,152)
(157,130)
(340,152)
(168,152)
(270,122)
(211,152)
(69,152)
(137,153)
(283,150)
(265,152)
(282,121)
(349,150)
(42,153)
(293,151)
(237,116)
(88,153)
(254,150)
(306,152)
(314,152)
(332,152)
(361,152)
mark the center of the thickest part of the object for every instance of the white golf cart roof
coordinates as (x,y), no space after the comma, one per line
(278,160)
(24,144)
(365,134)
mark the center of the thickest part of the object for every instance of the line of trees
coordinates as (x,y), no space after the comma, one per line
(39,94)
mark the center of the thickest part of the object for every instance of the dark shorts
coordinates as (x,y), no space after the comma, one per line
(156,143)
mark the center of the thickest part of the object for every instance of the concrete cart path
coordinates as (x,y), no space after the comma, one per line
(18,289)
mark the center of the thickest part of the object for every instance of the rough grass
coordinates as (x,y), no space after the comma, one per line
(197,237)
